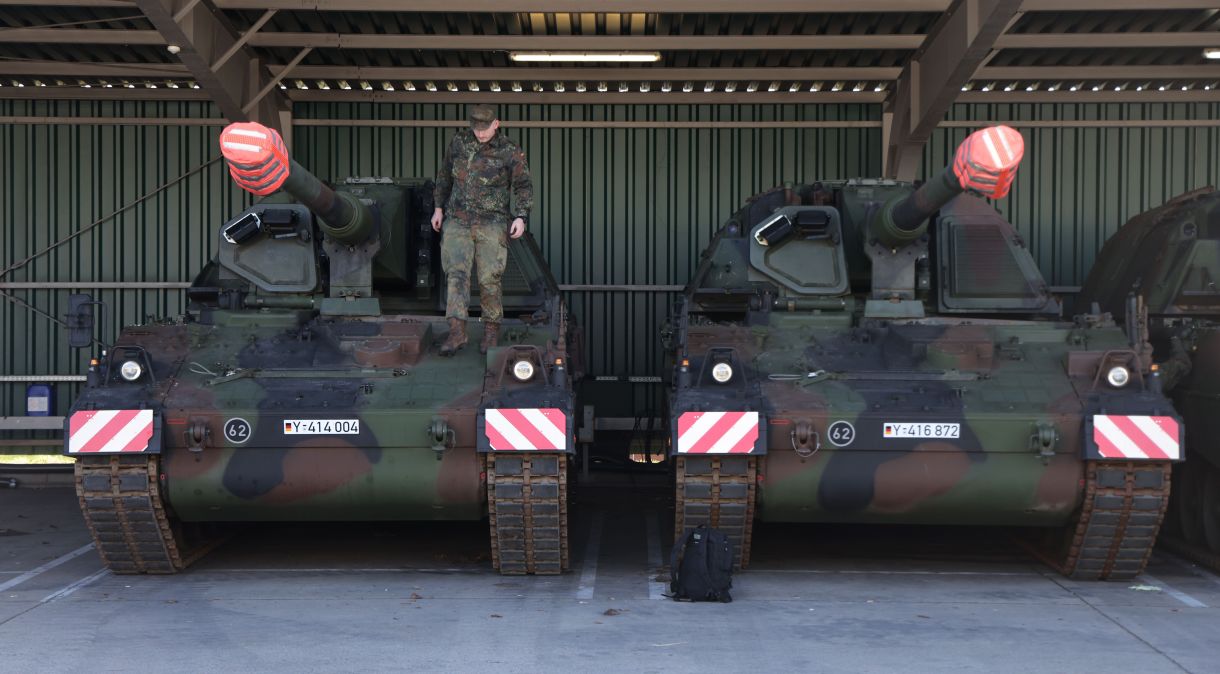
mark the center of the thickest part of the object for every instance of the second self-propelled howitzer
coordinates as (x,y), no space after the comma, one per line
(1169,257)
(304,383)
(874,351)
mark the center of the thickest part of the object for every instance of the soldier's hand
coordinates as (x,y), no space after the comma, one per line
(517,228)
(437,216)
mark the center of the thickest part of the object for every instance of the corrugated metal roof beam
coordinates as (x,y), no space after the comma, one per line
(79,69)
(652,6)
(955,47)
(82,36)
(593,74)
(546,97)
(245,37)
(475,42)
(240,86)
(587,42)
(1130,40)
(561,6)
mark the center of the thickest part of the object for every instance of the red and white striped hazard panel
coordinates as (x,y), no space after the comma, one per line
(1136,437)
(526,429)
(717,432)
(107,431)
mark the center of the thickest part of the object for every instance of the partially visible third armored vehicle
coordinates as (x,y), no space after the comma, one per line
(1170,257)
(873,351)
(304,383)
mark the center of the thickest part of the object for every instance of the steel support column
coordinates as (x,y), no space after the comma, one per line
(955,47)
(206,37)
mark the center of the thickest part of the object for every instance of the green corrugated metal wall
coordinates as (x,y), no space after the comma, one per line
(615,206)
(56,179)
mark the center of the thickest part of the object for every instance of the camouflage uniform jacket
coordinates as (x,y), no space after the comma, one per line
(476,179)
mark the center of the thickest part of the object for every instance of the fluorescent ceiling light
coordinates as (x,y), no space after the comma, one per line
(1212,52)
(587,56)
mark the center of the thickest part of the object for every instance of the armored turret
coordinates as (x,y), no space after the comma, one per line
(312,246)
(832,244)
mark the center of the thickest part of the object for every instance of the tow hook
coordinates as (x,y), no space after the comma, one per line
(197,435)
(442,436)
(805,440)
(1044,440)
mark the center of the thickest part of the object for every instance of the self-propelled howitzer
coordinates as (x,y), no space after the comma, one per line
(872,351)
(304,383)
(1169,257)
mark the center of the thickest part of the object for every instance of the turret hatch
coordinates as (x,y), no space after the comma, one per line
(801,247)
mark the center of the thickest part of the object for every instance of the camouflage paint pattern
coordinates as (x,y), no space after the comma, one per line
(483,246)
(389,471)
(979,344)
(990,475)
(476,180)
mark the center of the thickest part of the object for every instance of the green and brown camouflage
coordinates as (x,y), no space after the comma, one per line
(304,384)
(1170,257)
(865,351)
(464,242)
(476,180)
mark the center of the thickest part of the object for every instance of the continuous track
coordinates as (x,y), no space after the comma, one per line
(1123,508)
(718,492)
(528,507)
(121,501)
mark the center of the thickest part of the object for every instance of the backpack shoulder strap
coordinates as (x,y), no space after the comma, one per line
(679,546)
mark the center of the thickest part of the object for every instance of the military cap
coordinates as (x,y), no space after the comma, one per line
(482,115)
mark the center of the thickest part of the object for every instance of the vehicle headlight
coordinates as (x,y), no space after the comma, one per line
(1118,376)
(523,370)
(131,370)
(722,372)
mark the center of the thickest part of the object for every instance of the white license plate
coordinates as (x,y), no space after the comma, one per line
(321,427)
(923,431)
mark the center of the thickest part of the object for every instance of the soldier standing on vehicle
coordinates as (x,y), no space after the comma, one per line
(481,171)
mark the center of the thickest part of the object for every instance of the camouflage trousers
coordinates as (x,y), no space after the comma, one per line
(467,243)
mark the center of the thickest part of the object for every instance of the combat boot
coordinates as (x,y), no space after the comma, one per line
(457,337)
(491,337)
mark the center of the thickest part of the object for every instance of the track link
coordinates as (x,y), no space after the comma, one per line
(1123,508)
(527,502)
(121,502)
(718,492)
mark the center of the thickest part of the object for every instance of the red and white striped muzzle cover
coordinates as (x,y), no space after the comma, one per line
(257,158)
(987,160)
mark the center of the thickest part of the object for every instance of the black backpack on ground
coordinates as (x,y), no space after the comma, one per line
(701,566)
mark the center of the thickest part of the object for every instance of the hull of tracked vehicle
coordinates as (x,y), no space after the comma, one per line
(391,468)
(935,486)
(322,483)
(993,473)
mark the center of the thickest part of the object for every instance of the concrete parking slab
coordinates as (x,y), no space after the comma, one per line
(389,597)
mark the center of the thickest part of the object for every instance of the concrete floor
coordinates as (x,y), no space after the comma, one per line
(326,598)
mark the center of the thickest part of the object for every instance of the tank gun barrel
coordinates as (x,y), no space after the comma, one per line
(259,163)
(986,163)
